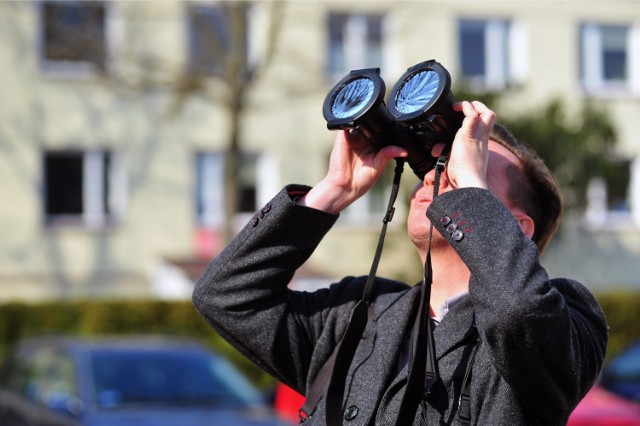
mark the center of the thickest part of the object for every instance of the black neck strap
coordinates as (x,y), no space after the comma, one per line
(423,372)
(423,368)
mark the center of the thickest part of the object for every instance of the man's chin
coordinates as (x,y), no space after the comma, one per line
(421,240)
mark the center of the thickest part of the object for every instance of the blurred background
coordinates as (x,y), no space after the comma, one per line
(137,137)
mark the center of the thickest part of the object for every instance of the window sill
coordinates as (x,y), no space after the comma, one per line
(610,92)
(610,221)
(74,223)
(71,70)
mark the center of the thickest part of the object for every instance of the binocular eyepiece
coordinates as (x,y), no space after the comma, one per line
(418,115)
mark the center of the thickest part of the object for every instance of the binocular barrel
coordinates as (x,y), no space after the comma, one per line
(419,113)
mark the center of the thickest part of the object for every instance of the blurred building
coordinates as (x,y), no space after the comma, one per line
(111,152)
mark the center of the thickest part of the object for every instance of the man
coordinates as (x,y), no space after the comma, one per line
(539,343)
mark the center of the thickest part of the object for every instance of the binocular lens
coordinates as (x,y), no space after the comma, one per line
(352,98)
(417,91)
(418,115)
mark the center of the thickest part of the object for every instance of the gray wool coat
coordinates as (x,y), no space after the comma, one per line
(542,341)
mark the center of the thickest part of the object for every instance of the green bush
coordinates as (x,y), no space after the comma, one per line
(622,310)
(102,318)
(99,318)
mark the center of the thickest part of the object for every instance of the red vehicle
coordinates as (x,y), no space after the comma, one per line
(603,408)
(599,408)
(613,401)
(287,403)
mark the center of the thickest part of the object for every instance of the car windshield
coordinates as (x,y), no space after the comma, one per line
(125,377)
(627,364)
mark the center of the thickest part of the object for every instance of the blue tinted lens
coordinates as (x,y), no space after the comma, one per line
(352,98)
(417,91)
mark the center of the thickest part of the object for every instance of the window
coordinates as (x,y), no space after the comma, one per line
(247,184)
(256,179)
(83,188)
(608,59)
(612,202)
(492,53)
(43,374)
(209,189)
(355,41)
(211,39)
(73,36)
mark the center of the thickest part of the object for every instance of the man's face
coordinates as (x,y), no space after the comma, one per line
(500,159)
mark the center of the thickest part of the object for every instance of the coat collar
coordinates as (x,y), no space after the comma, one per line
(456,328)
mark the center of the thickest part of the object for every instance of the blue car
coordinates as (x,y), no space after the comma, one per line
(622,374)
(134,381)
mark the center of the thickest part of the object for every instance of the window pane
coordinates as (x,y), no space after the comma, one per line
(355,41)
(337,24)
(49,374)
(209,169)
(106,193)
(614,53)
(374,41)
(472,48)
(82,188)
(211,38)
(63,183)
(74,31)
(167,378)
(247,179)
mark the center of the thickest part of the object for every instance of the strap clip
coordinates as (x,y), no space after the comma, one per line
(442,161)
(389,216)
(429,380)
(302,416)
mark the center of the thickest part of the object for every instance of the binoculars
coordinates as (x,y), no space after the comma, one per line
(418,115)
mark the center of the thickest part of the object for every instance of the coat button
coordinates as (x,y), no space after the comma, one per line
(457,235)
(351,413)
(254,221)
(451,228)
(266,208)
(445,220)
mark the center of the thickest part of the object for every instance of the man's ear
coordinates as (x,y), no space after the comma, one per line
(526,224)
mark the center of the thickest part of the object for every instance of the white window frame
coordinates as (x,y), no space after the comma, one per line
(257,28)
(505,54)
(354,45)
(93,214)
(78,69)
(598,216)
(211,187)
(592,78)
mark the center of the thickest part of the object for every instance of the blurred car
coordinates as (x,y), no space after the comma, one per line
(287,402)
(603,408)
(622,375)
(134,381)
(615,399)
(17,411)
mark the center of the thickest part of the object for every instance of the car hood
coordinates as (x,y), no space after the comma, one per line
(182,417)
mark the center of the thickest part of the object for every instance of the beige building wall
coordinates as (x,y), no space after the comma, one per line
(134,110)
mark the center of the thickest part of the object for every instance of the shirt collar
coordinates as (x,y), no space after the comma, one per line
(447,305)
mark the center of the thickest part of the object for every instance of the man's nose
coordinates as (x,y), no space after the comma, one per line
(430,177)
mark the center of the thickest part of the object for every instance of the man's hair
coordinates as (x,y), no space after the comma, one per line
(532,187)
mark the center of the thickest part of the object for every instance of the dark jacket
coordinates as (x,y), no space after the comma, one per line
(542,341)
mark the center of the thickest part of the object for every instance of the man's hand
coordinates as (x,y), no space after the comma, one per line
(467,165)
(354,167)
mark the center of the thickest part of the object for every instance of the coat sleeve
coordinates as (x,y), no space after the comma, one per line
(243,294)
(547,337)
